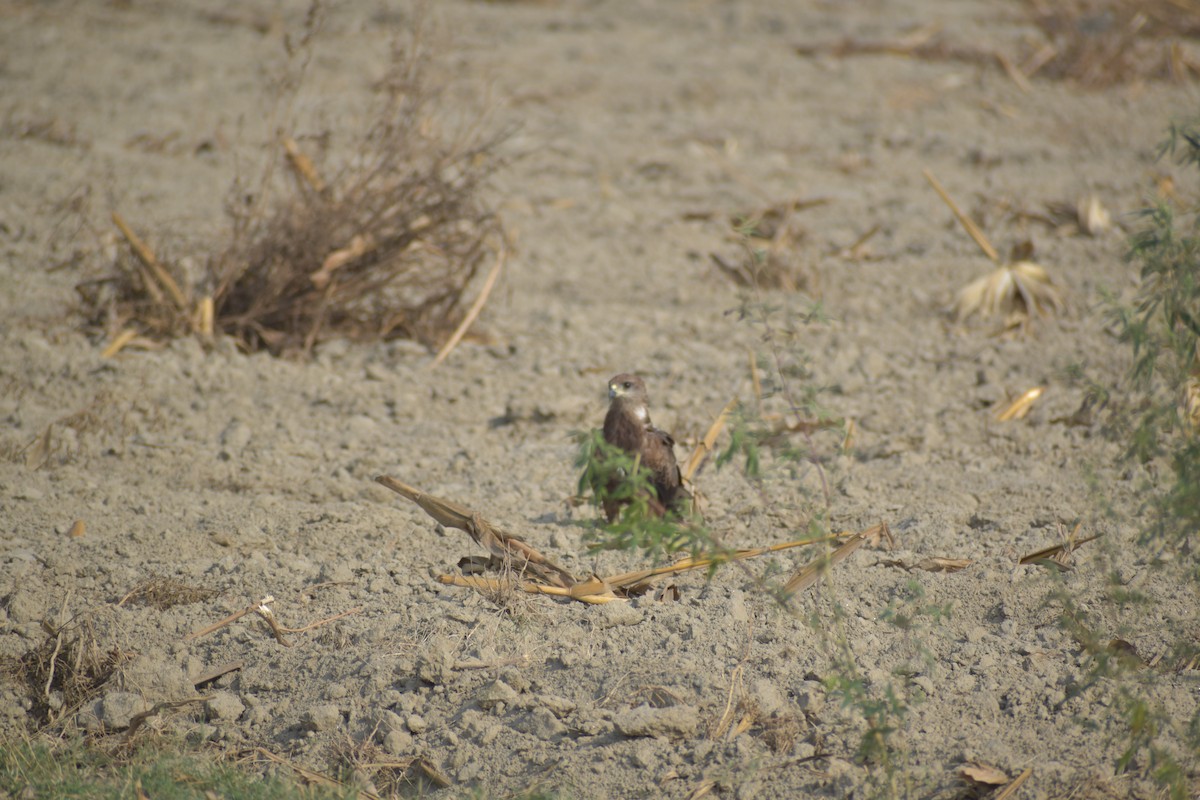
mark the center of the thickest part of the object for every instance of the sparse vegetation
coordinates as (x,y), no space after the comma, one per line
(162,770)
(1154,421)
(384,245)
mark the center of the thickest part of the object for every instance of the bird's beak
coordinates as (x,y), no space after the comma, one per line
(613,391)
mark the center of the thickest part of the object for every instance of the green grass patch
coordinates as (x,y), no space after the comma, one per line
(162,771)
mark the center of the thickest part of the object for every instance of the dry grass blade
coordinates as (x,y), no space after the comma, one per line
(736,688)
(119,342)
(1011,788)
(815,569)
(968,224)
(932,564)
(1189,403)
(708,442)
(1020,408)
(69,667)
(205,313)
(476,307)
(493,539)
(1093,218)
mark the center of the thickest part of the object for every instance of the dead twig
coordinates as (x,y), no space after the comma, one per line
(476,307)
(262,608)
(302,165)
(216,672)
(706,444)
(154,268)
(968,224)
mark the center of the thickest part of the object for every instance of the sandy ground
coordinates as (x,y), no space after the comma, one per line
(640,128)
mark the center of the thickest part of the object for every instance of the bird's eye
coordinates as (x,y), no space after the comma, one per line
(628,384)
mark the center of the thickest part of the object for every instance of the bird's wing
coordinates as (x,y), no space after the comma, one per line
(659,433)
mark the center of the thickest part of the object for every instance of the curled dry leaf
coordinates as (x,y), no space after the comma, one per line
(1093,218)
(983,773)
(1018,291)
(1087,216)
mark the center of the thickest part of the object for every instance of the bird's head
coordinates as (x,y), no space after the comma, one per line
(626,385)
(631,390)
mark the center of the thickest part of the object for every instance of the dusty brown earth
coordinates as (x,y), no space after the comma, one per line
(640,128)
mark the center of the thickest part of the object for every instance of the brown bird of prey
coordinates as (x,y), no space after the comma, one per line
(627,426)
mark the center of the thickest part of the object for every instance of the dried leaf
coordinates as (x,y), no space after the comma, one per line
(983,773)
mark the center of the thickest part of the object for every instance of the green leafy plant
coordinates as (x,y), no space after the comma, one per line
(1158,422)
(1163,329)
(609,474)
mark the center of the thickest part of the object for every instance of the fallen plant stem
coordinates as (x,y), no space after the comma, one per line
(705,446)
(234,617)
(119,342)
(262,608)
(968,224)
(627,579)
(476,307)
(530,587)
(816,569)
(150,262)
(1016,783)
(302,165)
(495,540)
(216,672)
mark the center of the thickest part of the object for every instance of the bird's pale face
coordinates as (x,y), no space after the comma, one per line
(623,385)
(632,390)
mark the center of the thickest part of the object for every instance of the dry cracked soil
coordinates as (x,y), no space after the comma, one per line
(639,131)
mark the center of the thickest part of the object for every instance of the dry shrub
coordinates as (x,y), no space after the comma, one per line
(1104,42)
(68,668)
(384,246)
(162,593)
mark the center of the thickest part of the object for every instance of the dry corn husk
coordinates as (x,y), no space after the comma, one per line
(1017,291)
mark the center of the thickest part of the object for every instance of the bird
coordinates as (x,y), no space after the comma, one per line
(627,426)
